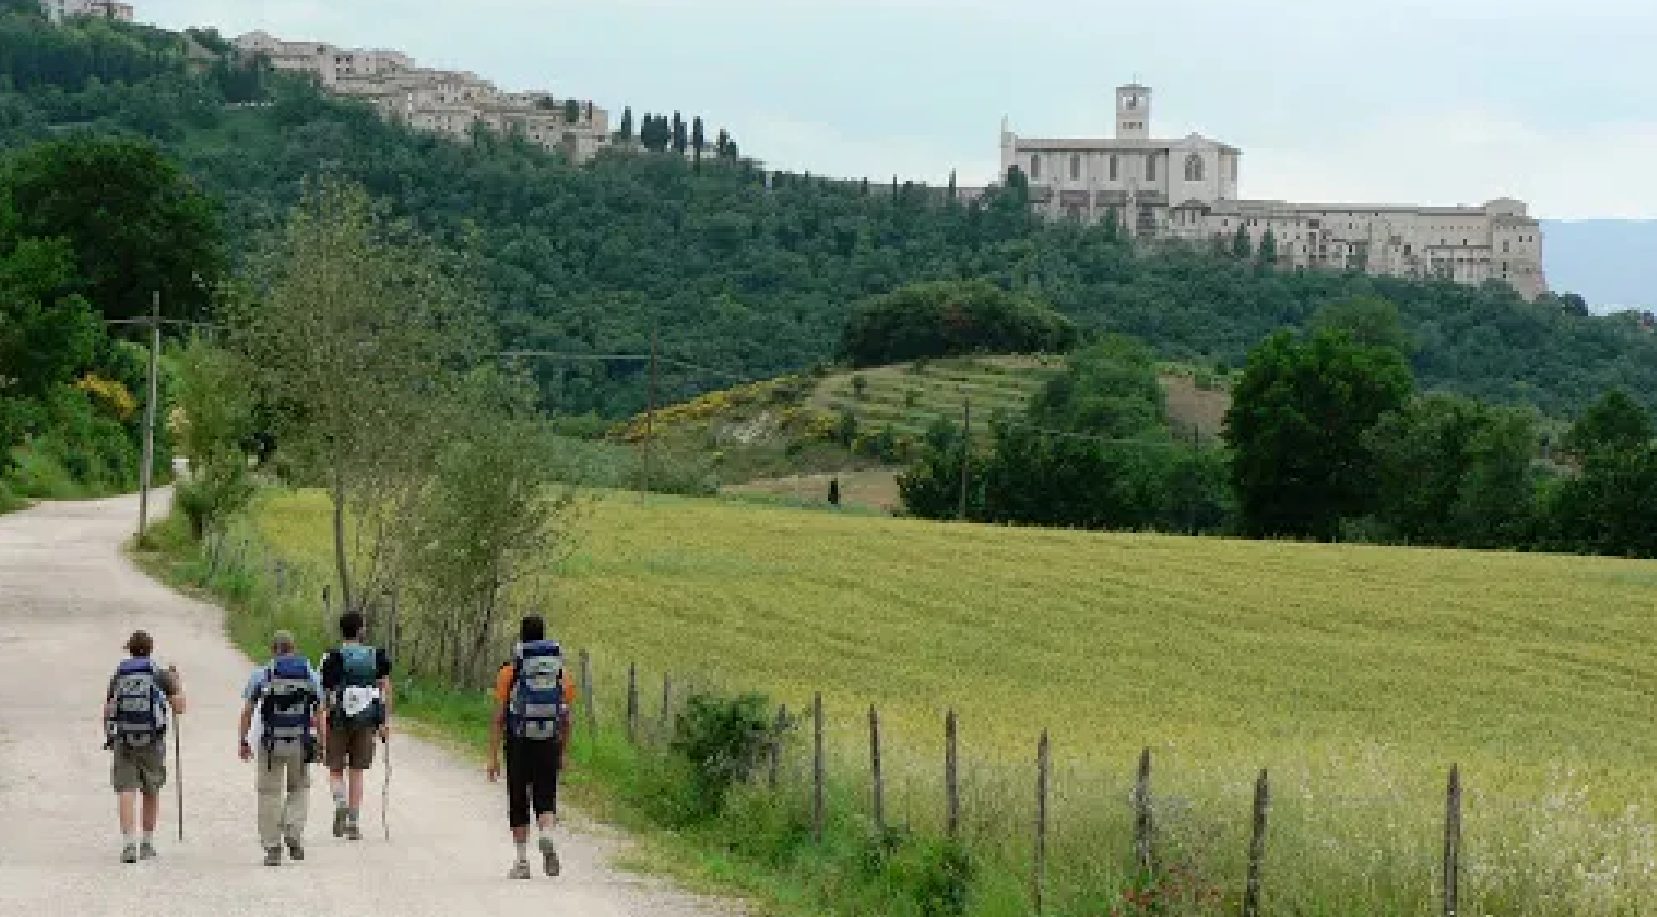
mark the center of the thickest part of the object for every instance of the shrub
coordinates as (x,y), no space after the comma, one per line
(721,740)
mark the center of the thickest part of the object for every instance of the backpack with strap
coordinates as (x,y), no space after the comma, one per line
(286,704)
(357,702)
(535,709)
(138,708)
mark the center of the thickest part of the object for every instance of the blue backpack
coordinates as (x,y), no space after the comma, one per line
(535,709)
(286,704)
(360,675)
(138,708)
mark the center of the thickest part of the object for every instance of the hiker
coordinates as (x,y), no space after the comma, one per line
(356,694)
(286,693)
(532,721)
(139,706)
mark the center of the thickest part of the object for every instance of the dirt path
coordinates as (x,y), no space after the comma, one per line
(67,600)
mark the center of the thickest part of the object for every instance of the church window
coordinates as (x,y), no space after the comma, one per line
(1193,168)
(1035,168)
(1505,248)
(1113,167)
(1075,167)
(1150,167)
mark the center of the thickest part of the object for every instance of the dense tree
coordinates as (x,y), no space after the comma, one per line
(624,132)
(139,227)
(681,140)
(1297,425)
(1452,471)
(1268,249)
(951,317)
(1614,423)
(698,138)
(1367,319)
(1240,244)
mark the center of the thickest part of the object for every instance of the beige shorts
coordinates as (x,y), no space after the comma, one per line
(143,769)
(350,747)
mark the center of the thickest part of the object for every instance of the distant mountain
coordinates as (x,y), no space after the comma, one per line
(1611,263)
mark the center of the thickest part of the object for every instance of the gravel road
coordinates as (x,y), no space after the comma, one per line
(68,599)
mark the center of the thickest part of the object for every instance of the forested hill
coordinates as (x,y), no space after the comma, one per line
(745,277)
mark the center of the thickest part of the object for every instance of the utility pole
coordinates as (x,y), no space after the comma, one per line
(650,417)
(966,452)
(145,473)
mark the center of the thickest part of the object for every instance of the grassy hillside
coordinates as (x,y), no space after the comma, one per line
(1358,674)
(863,420)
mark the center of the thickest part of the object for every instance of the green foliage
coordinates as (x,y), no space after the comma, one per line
(1614,423)
(723,740)
(1451,471)
(137,225)
(1108,389)
(951,318)
(1368,320)
(216,423)
(1296,429)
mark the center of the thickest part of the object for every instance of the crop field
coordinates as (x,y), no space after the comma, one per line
(1358,675)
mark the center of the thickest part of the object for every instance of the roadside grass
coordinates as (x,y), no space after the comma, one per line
(1358,675)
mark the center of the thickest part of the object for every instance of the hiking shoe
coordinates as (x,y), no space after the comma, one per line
(352,832)
(340,813)
(296,851)
(549,856)
(273,856)
(520,870)
(129,853)
(146,851)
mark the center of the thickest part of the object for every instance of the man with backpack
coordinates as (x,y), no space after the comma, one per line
(139,706)
(356,685)
(286,694)
(531,723)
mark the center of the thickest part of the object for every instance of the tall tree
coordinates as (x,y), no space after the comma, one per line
(624,133)
(1240,244)
(1614,423)
(572,111)
(1268,248)
(138,226)
(1296,428)
(359,332)
(681,139)
(954,188)
(698,138)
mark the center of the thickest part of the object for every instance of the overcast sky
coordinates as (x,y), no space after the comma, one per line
(1430,101)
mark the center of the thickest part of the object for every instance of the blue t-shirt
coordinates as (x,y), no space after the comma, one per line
(261,676)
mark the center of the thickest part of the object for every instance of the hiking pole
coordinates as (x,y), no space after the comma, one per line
(385,791)
(178,772)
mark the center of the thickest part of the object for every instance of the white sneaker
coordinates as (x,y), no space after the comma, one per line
(549,856)
(520,870)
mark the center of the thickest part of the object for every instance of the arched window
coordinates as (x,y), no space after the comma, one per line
(1075,167)
(1035,168)
(1193,168)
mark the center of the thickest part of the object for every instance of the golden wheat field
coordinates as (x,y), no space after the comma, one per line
(1357,674)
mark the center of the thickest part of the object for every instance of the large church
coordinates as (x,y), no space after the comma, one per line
(1187,189)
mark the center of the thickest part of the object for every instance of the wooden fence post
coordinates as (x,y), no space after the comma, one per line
(952,776)
(775,775)
(1452,843)
(1257,846)
(394,627)
(633,703)
(878,783)
(818,768)
(587,696)
(1142,825)
(1038,884)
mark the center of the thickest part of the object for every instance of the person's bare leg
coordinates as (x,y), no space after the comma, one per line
(126,805)
(151,815)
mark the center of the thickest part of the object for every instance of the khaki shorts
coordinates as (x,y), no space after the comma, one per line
(143,769)
(350,747)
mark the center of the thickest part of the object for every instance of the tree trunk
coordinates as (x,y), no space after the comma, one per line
(341,563)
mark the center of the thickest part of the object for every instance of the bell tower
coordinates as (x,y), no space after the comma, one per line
(1133,112)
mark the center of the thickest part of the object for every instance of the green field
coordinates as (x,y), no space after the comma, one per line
(1357,674)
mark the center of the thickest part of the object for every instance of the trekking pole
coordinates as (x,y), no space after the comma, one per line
(385,792)
(178,773)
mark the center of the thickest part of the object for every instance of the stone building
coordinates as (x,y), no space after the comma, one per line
(451,102)
(59,10)
(1188,189)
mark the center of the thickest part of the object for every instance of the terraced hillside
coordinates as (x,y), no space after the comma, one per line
(786,436)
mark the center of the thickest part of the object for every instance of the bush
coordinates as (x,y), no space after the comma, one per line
(722,740)
(952,318)
(208,500)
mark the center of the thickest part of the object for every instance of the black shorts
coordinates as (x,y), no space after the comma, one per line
(531,777)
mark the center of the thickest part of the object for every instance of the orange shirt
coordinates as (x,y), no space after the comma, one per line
(503,687)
